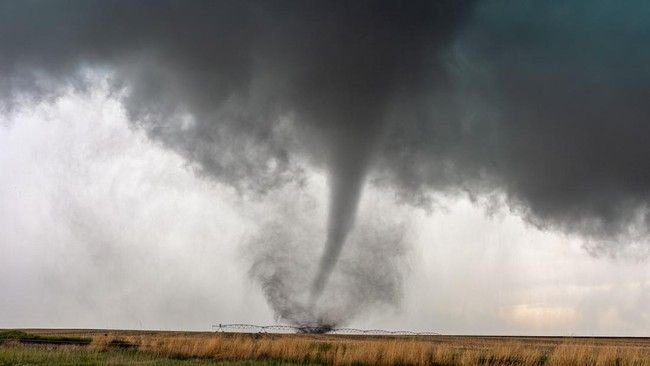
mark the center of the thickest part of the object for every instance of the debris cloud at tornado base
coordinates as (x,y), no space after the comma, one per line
(369,274)
(541,105)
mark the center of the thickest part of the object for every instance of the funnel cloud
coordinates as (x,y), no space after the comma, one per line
(538,106)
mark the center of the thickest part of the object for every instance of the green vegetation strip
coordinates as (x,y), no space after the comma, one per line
(21,348)
(22,337)
(14,356)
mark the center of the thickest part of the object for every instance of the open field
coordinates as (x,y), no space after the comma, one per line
(97,347)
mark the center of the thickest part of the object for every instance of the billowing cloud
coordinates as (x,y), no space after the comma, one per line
(548,107)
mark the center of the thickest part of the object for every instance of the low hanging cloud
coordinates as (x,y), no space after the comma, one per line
(543,105)
(548,107)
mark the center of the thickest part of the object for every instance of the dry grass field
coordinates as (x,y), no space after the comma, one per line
(171,348)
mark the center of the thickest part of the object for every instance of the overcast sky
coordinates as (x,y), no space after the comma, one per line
(475,167)
(103,228)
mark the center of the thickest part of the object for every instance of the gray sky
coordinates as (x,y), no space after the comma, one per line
(456,165)
(104,228)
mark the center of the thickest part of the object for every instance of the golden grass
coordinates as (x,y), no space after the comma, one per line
(384,350)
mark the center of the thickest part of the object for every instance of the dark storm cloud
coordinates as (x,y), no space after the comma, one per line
(548,105)
(542,102)
(236,68)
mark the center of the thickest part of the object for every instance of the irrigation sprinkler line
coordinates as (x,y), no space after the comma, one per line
(311,329)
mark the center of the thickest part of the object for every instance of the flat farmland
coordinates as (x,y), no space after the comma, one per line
(121,347)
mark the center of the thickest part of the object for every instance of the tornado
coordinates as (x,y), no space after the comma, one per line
(348,167)
(272,90)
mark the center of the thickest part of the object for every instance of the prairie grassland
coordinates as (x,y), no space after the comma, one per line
(365,350)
